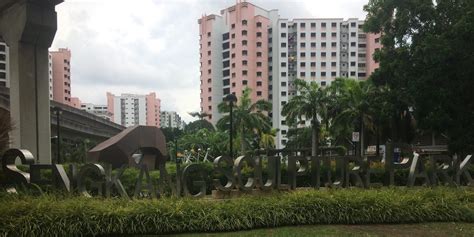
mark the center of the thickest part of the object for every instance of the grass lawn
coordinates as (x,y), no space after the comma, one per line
(425,229)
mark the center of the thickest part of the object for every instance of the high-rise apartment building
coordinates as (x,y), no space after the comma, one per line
(171,119)
(98,110)
(130,109)
(61,75)
(247,46)
(234,50)
(4,62)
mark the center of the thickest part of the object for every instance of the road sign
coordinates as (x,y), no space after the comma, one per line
(355,137)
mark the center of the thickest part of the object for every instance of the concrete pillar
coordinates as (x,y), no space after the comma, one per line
(28,27)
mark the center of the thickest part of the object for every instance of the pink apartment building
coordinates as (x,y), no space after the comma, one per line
(61,75)
(130,109)
(234,54)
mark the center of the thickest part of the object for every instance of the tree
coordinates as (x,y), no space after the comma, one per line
(426,61)
(309,103)
(197,125)
(249,119)
(354,103)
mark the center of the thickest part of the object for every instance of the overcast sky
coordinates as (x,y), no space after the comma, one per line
(140,46)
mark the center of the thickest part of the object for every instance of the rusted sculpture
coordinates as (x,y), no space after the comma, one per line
(118,150)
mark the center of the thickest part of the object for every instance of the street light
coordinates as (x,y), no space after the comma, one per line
(231,99)
(58,111)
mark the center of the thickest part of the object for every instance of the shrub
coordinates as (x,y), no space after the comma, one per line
(67,216)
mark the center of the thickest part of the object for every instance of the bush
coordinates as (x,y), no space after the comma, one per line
(66,216)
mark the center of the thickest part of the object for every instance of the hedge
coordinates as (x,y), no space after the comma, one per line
(55,215)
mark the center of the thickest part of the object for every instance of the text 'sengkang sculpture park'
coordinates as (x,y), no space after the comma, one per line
(144,147)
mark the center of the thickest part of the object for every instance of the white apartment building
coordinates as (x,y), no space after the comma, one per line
(98,110)
(131,109)
(171,119)
(4,62)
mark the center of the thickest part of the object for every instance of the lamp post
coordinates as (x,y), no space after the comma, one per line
(231,99)
(58,112)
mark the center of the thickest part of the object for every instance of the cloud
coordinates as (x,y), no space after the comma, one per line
(142,46)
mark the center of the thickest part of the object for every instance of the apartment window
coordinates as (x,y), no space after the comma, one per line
(233,75)
(244,52)
(283,45)
(302,74)
(259,24)
(283,64)
(208,34)
(323,35)
(209,80)
(323,74)
(323,24)
(233,65)
(323,83)
(225,45)
(259,64)
(353,44)
(362,45)
(323,45)
(323,54)
(283,25)
(244,72)
(283,83)
(333,44)
(244,62)
(353,64)
(377,40)
(333,64)
(259,44)
(244,32)
(244,42)
(313,25)
(313,44)
(244,82)
(259,93)
(208,62)
(233,55)
(233,46)
(225,73)
(353,34)
(283,55)
(283,122)
(333,74)
(208,53)
(259,54)
(283,35)
(313,35)
(233,84)
(333,34)
(302,45)
(323,64)
(283,93)
(361,65)
(302,35)
(283,74)
(244,22)
(353,73)
(302,54)
(259,34)
(302,25)
(208,71)
(353,54)
(313,74)
(313,64)
(302,64)
(361,74)
(209,98)
(334,25)
(259,74)
(232,26)
(353,24)
(333,54)
(232,36)
(362,55)
(259,83)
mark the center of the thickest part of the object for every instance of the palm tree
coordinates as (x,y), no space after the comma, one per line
(309,103)
(249,119)
(353,98)
(267,139)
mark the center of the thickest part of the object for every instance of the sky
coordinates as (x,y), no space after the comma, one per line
(143,46)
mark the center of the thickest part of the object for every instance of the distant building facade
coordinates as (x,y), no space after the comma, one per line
(171,119)
(131,109)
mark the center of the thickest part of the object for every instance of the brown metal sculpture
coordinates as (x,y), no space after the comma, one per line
(119,150)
